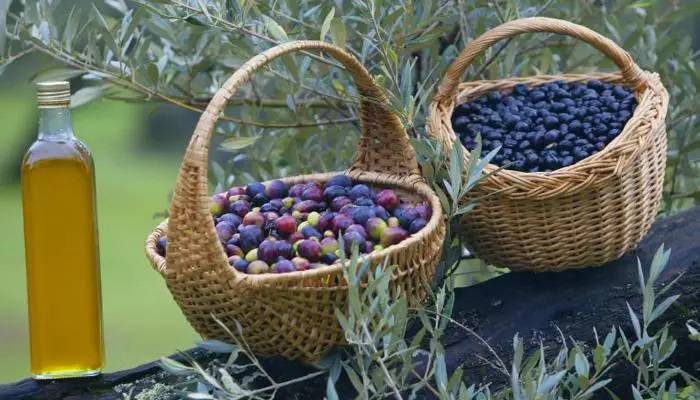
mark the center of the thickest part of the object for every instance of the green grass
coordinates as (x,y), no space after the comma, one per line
(141,320)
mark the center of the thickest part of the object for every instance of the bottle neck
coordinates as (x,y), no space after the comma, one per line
(55,124)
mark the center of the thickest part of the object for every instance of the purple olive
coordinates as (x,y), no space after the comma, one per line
(233,250)
(340,223)
(296,190)
(388,199)
(340,180)
(364,201)
(360,214)
(308,206)
(406,215)
(259,200)
(276,190)
(381,212)
(162,245)
(250,237)
(329,259)
(240,265)
(295,237)
(254,189)
(240,208)
(235,191)
(424,211)
(310,231)
(392,236)
(331,192)
(231,218)
(254,218)
(357,228)
(312,193)
(417,224)
(340,202)
(359,191)
(310,249)
(267,251)
(224,231)
(283,267)
(325,221)
(284,249)
(232,259)
(286,225)
(353,238)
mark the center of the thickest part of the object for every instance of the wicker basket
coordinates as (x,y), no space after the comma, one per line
(292,314)
(579,216)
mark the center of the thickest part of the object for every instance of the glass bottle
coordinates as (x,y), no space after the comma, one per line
(61,245)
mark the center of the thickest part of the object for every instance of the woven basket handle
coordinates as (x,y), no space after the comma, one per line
(383,148)
(632,74)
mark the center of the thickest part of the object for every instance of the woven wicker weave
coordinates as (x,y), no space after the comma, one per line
(583,215)
(292,314)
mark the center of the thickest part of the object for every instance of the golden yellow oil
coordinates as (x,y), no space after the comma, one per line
(62,261)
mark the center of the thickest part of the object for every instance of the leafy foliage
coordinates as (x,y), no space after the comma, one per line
(181,51)
(381,362)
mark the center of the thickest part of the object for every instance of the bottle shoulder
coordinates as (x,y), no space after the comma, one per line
(72,149)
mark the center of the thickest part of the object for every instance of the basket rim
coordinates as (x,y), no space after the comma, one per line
(651,95)
(416,186)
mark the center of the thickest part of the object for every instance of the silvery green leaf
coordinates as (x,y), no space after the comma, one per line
(200,396)
(58,74)
(549,383)
(176,367)
(118,5)
(662,307)
(106,30)
(331,394)
(338,32)
(217,346)
(70,28)
(517,352)
(635,322)
(658,263)
(441,372)
(238,143)
(327,23)
(152,73)
(455,379)
(694,332)
(274,29)
(581,364)
(595,387)
(85,95)
(636,394)
(229,383)
(599,358)
(665,377)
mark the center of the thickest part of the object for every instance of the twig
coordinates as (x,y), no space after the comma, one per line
(150,93)
(390,380)
(233,27)
(501,366)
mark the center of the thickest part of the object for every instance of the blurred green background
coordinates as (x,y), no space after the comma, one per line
(135,174)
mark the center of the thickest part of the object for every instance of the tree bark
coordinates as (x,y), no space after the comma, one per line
(536,306)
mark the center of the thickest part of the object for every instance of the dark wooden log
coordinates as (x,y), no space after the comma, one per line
(533,305)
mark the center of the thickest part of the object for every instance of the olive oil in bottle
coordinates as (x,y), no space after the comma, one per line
(61,246)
